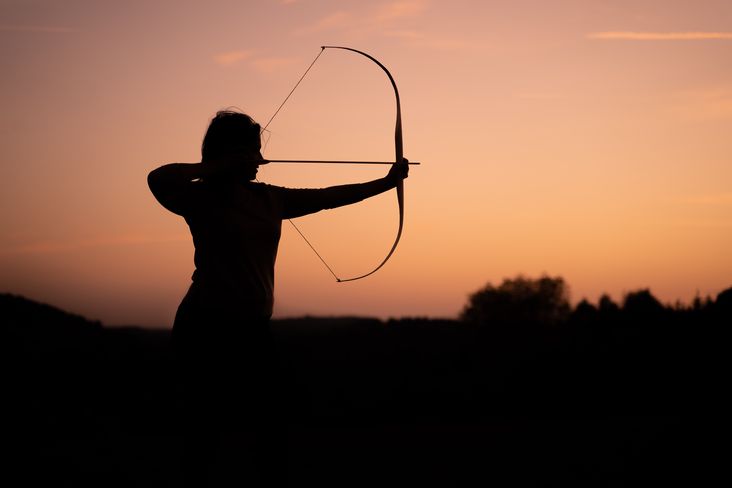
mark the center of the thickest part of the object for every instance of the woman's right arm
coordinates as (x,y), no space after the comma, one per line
(172,184)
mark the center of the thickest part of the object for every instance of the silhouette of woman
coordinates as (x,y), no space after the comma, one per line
(221,338)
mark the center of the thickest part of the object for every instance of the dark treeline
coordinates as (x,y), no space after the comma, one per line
(522,389)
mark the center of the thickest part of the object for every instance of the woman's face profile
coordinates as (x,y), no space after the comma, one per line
(243,160)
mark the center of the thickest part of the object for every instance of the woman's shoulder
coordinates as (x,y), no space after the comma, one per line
(265,192)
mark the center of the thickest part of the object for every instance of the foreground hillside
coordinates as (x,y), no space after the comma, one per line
(624,400)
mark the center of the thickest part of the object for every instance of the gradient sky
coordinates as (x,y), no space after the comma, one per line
(583,138)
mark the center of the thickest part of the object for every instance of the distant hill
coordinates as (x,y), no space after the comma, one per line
(34,329)
(17,311)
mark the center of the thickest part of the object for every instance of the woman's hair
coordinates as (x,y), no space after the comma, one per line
(228,131)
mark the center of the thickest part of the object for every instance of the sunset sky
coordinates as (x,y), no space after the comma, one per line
(588,139)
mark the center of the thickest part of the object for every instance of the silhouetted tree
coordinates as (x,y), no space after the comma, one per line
(699,305)
(542,301)
(642,303)
(723,303)
(607,306)
(584,312)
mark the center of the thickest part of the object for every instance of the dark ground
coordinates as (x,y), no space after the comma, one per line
(630,400)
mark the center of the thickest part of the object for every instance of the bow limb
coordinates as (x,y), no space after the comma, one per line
(398,159)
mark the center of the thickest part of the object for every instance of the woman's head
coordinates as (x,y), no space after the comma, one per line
(230,133)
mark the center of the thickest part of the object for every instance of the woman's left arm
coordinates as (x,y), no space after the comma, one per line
(299,202)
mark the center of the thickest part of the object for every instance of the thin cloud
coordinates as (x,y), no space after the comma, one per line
(333,21)
(661,36)
(419,40)
(249,58)
(371,20)
(231,58)
(46,29)
(440,44)
(382,20)
(404,34)
(269,65)
(399,9)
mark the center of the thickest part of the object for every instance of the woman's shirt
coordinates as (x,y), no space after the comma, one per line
(236,230)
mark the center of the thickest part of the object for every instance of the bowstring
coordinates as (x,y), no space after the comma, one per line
(266,141)
(322,49)
(316,252)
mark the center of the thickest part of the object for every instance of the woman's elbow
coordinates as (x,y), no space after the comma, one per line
(156,179)
(156,183)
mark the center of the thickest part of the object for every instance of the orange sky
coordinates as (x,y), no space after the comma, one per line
(588,139)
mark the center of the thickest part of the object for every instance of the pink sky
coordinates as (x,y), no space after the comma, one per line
(588,139)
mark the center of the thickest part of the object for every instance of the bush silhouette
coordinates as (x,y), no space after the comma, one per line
(723,304)
(607,306)
(521,300)
(584,312)
(642,303)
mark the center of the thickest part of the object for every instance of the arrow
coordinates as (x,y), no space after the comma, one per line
(308,161)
